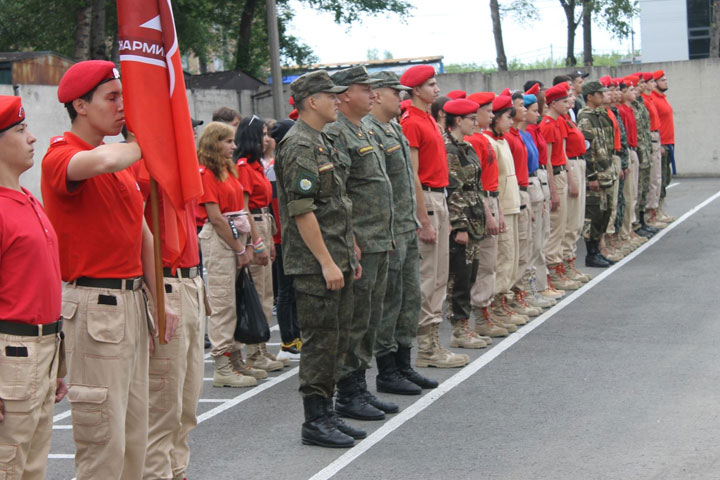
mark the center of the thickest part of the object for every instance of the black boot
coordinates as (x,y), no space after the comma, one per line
(319,429)
(645,230)
(387,407)
(388,379)
(593,257)
(404,367)
(351,401)
(356,433)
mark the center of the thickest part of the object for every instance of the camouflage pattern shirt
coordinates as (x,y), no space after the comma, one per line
(368,186)
(642,118)
(597,128)
(396,152)
(309,180)
(465,204)
(624,152)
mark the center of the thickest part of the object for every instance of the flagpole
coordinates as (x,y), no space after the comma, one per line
(159,283)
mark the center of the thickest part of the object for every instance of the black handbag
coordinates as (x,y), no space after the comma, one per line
(251,326)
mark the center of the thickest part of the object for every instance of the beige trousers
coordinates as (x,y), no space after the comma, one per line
(630,192)
(575,211)
(221,267)
(508,253)
(27,389)
(653,196)
(262,274)
(483,287)
(176,376)
(558,222)
(541,270)
(537,227)
(106,333)
(435,260)
(524,233)
(617,163)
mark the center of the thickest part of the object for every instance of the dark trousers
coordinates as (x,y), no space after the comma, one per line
(287,317)
(460,282)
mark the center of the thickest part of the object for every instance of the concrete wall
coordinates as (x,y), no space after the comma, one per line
(664,30)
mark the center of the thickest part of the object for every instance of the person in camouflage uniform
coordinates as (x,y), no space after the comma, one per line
(623,153)
(597,129)
(467,219)
(644,151)
(368,186)
(401,305)
(317,247)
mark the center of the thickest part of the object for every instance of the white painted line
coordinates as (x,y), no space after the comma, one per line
(401,418)
(61,456)
(62,427)
(61,416)
(213,400)
(672,185)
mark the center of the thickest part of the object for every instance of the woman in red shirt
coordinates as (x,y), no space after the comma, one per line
(250,139)
(222,241)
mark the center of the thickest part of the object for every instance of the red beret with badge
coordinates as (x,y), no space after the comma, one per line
(11,112)
(502,102)
(558,92)
(606,81)
(482,98)
(455,94)
(83,77)
(506,93)
(658,74)
(533,90)
(417,75)
(461,106)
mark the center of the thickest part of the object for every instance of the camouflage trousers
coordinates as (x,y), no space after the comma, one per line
(401,306)
(597,214)
(643,187)
(368,296)
(620,209)
(464,263)
(667,158)
(615,195)
(324,317)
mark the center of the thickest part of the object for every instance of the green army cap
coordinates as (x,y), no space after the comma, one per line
(388,79)
(592,87)
(358,74)
(311,83)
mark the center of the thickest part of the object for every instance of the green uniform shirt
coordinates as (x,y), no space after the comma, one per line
(642,118)
(465,204)
(398,166)
(309,180)
(597,128)
(367,184)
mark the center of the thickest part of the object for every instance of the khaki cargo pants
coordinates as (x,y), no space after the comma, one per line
(106,335)
(27,389)
(435,260)
(575,210)
(483,287)
(558,221)
(262,274)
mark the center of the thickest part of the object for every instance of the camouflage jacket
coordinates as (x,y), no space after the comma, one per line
(396,152)
(624,153)
(597,128)
(309,180)
(368,186)
(642,118)
(465,204)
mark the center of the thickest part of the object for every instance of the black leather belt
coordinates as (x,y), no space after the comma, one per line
(533,174)
(190,272)
(580,157)
(557,170)
(491,194)
(523,189)
(113,283)
(433,189)
(26,330)
(259,211)
(543,167)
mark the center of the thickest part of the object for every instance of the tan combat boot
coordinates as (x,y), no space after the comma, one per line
(256,359)
(463,336)
(559,280)
(662,216)
(432,354)
(501,315)
(551,291)
(522,307)
(574,274)
(266,352)
(485,326)
(638,239)
(239,366)
(535,298)
(225,376)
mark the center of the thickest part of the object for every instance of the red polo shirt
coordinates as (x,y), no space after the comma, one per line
(540,142)
(575,145)
(628,118)
(555,131)
(423,133)
(99,222)
(488,162)
(255,183)
(665,113)
(228,194)
(519,153)
(30,285)
(654,117)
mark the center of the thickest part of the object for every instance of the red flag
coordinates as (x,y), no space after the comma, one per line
(156,111)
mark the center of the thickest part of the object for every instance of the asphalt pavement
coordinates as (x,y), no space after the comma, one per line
(619,381)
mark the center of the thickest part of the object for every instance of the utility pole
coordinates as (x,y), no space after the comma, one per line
(277,81)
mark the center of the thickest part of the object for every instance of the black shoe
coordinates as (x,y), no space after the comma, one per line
(207,342)
(319,428)
(356,433)
(389,380)
(404,367)
(596,261)
(387,407)
(644,233)
(352,403)
(609,262)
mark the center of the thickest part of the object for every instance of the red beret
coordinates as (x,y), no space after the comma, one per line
(557,92)
(291,101)
(533,90)
(405,104)
(506,92)
(658,74)
(11,112)
(417,75)
(294,114)
(482,98)
(647,76)
(455,94)
(631,80)
(83,77)
(617,81)
(605,81)
(502,102)
(461,106)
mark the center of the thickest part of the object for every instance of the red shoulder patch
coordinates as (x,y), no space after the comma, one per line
(405,115)
(57,140)
(202,169)
(242,161)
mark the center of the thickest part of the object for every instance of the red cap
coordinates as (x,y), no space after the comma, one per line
(482,98)
(647,76)
(417,75)
(455,94)
(11,112)
(294,114)
(502,102)
(291,101)
(83,77)
(617,81)
(506,93)
(461,106)
(658,74)
(558,92)
(631,80)
(533,90)
(606,81)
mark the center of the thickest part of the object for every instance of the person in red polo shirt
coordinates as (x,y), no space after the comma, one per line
(106,251)
(427,152)
(653,195)
(30,330)
(667,138)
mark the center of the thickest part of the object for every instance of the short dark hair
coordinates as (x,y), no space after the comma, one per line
(249,139)
(528,85)
(497,116)
(437,105)
(225,114)
(561,79)
(87,97)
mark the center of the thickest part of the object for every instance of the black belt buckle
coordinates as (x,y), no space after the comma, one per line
(110,283)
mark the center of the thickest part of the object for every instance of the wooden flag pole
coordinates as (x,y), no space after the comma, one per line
(159,283)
